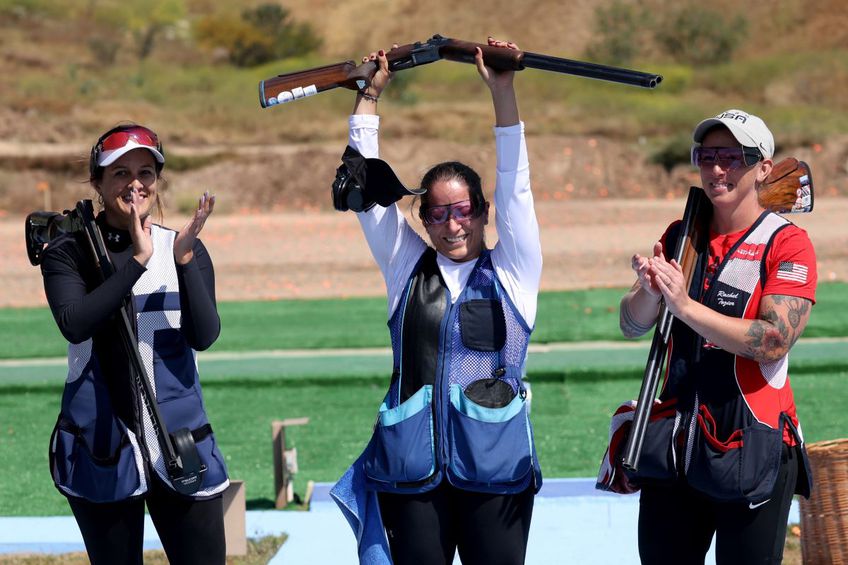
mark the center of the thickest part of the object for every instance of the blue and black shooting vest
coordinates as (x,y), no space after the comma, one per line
(93,453)
(456,406)
(725,418)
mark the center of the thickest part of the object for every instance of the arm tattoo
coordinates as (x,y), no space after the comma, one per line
(630,327)
(798,308)
(780,325)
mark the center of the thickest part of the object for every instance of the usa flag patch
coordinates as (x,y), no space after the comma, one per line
(790,271)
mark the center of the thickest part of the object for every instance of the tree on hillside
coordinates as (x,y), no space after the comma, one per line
(262,34)
(686,32)
(620,29)
(142,20)
(700,35)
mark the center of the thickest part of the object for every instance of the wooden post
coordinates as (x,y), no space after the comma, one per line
(283,487)
(235,527)
(44,188)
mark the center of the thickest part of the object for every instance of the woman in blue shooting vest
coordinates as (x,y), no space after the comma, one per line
(105,456)
(452,458)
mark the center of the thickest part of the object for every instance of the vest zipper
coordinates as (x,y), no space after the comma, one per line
(443,382)
(690,436)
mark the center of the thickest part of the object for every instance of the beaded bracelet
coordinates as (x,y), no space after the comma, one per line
(368,97)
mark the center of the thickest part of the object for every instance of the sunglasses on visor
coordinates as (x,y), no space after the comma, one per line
(140,135)
(118,137)
(725,157)
(461,211)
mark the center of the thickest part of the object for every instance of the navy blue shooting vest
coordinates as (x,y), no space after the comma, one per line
(456,406)
(93,454)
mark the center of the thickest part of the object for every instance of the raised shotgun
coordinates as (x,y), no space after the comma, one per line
(293,86)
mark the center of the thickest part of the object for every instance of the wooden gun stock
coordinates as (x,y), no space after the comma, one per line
(787,190)
(293,86)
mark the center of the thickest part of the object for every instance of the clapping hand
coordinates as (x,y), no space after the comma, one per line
(184,243)
(140,233)
(646,275)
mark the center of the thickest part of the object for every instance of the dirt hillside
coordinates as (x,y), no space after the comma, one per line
(599,199)
(275,236)
(312,254)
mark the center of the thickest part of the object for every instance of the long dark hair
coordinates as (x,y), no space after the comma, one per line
(453,170)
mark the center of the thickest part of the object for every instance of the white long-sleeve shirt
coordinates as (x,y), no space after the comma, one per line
(516,257)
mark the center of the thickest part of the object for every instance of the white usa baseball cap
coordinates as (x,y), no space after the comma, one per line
(748,129)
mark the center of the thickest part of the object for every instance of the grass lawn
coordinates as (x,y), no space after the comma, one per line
(571,403)
(570,416)
(582,315)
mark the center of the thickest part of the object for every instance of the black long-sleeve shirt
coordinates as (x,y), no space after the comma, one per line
(81,304)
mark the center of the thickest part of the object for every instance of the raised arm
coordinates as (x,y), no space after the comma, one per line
(500,84)
(366,100)
(393,243)
(80,311)
(200,324)
(518,254)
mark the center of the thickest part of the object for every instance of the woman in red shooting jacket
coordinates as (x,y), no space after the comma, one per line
(728,454)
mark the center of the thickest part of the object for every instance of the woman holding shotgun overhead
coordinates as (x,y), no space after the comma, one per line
(724,452)
(451,457)
(106,456)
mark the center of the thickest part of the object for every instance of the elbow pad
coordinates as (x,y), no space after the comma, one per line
(363,182)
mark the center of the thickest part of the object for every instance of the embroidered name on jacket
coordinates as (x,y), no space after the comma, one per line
(727,298)
(738,276)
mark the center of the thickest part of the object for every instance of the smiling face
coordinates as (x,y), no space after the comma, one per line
(130,179)
(731,187)
(458,240)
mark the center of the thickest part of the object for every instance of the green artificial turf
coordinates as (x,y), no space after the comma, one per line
(570,414)
(574,392)
(581,315)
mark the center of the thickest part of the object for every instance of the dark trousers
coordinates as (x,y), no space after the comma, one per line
(191,531)
(676,524)
(428,528)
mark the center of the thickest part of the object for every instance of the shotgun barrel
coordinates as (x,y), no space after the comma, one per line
(662,332)
(510,59)
(591,70)
(293,86)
